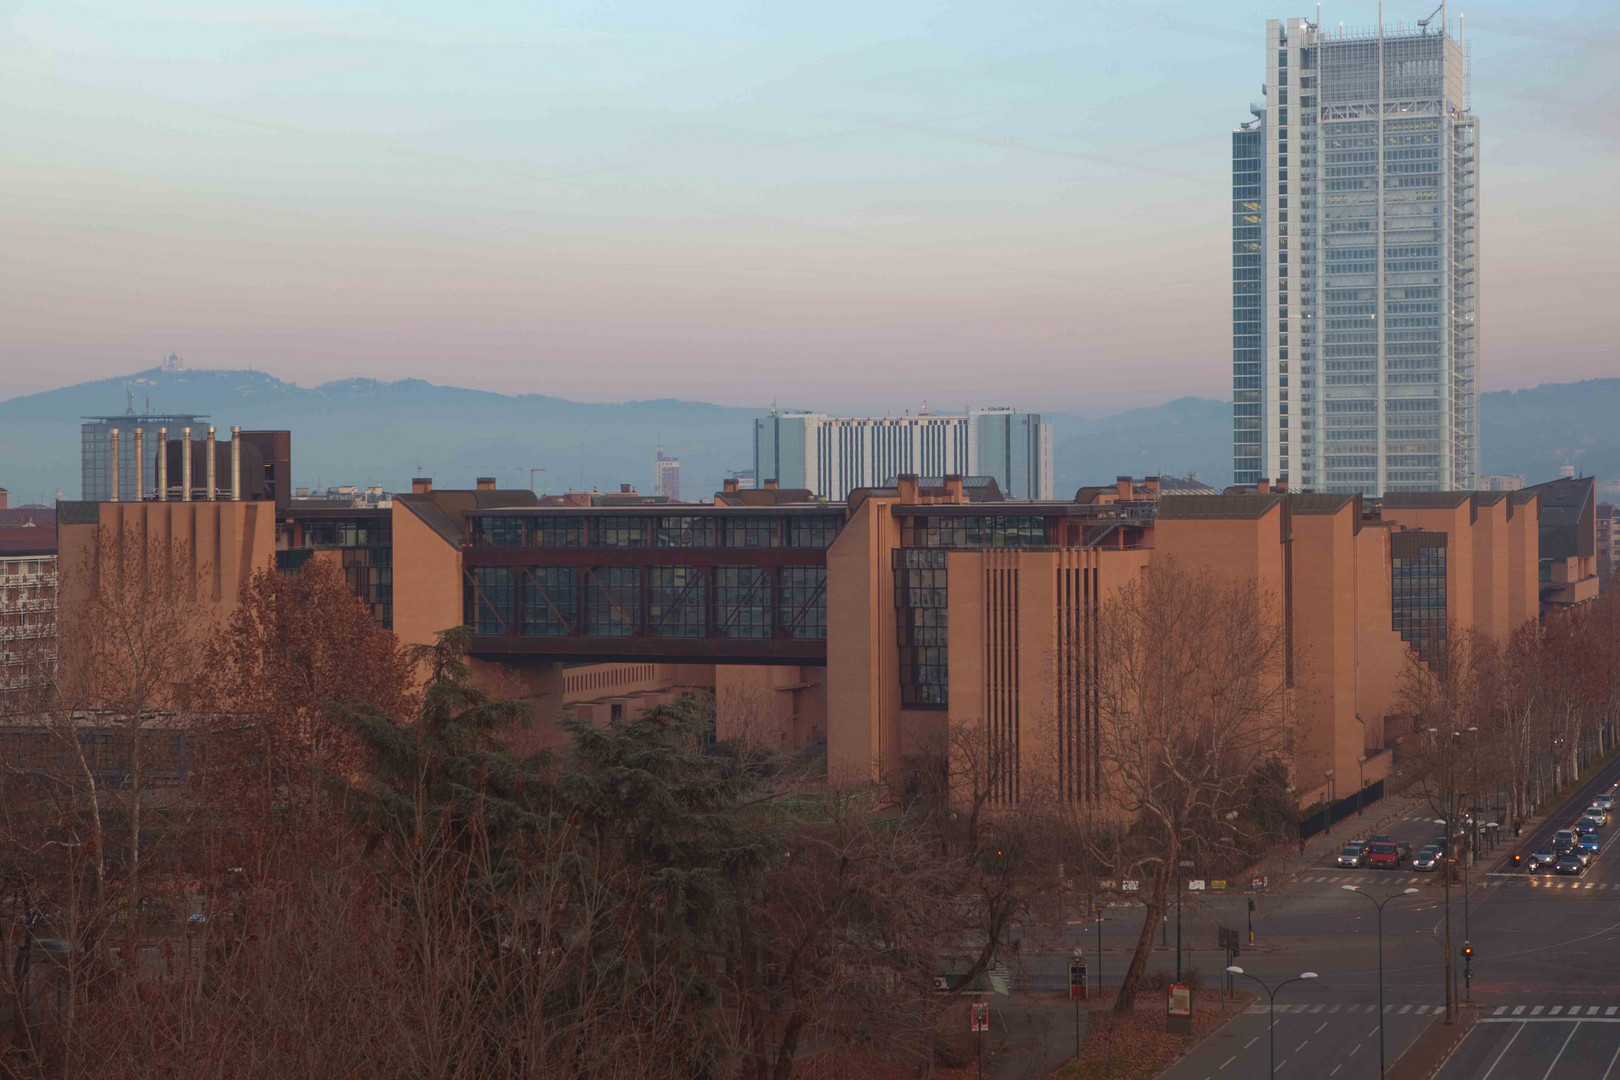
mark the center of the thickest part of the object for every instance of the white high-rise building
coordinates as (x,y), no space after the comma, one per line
(1355,244)
(832,456)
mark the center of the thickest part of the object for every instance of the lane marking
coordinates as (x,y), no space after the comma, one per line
(1230,1060)
(1340,1065)
(1610,1069)
(1301,1046)
(1547,1020)
(1251,1042)
(1353,1049)
(1320,1029)
(1502,1055)
(1561,1050)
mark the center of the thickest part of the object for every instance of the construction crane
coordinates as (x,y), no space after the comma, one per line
(521,468)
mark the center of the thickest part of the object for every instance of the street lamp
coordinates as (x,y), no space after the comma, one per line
(1271,1024)
(1379,904)
(1327,816)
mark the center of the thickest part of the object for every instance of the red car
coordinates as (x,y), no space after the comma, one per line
(1384,856)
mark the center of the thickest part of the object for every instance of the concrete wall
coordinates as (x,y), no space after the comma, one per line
(427,580)
(863,681)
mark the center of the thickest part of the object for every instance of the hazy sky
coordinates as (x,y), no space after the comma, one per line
(835,204)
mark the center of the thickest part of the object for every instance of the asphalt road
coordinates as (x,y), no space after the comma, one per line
(1546,949)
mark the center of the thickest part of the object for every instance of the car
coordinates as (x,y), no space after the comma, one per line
(1427,859)
(1384,855)
(1352,854)
(1439,843)
(1584,826)
(1542,858)
(1597,814)
(1604,803)
(1568,864)
(1564,840)
(1590,845)
(1406,849)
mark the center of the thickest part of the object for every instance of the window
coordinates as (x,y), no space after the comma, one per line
(752,532)
(497,531)
(558,532)
(1418,594)
(677,600)
(693,532)
(812,532)
(622,532)
(920,598)
(490,599)
(742,601)
(801,602)
(613,601)
(550,601)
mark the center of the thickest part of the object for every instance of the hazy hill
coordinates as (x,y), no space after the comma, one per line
(364,431)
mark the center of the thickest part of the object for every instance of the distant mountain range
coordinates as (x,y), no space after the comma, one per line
(364,431)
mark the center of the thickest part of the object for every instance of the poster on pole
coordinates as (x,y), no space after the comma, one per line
(981,1016)
(1180,999)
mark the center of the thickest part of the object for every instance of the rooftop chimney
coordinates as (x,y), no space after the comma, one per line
(140,465)
(771,485)
(112,441)
(421,485)
(730,484)
(236,463)
(907,483)
(212,490)
(627,489)
(953,489)
(1152,485)
(5,499)
(1282,486)
(485,483)
(1262,487)
(185,466)
(1123,487)
(163,465)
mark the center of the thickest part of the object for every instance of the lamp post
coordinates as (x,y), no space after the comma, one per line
(1271,1024)
(1327,815)
(1361,783)
(1379,904)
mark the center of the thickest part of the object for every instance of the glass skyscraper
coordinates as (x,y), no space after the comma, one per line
(1354,290)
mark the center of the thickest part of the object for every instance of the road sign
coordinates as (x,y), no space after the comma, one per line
(1077,980)
(1218,883)
(1107,884)
(1130,885)
(1257,883)
(981,1016)
(1196,885)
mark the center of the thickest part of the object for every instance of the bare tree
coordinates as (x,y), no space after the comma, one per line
(1191,702)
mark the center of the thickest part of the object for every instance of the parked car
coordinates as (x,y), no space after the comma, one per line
(1384,855)
(1569,864)
(1542,858)
(1353,853)
(1427,859)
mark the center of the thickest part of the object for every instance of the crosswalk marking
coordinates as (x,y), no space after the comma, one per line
(1405,1009)
(1592,1011)
(1609,1011)
(1538,1010)
(1335,1008)
(1555,1010)
(1518,1010)
(1500,1009)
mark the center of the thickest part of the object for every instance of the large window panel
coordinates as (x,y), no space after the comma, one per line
(613,601)
(550,601)
(801,602)
(742,601)
(491,599)
(677,601)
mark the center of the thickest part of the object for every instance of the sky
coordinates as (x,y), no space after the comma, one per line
(848,206)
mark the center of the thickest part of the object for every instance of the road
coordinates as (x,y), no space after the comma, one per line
(1546,965)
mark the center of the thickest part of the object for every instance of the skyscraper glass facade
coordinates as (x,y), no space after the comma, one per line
(1367,359)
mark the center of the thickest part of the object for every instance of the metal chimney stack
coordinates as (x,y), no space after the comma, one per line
(185,467)
(163,465)
(212,490)
(140,465)
(113,441)
(236,463)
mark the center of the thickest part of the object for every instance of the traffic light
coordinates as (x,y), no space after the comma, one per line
(1518,857)
(1251,903)
(1468,952)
